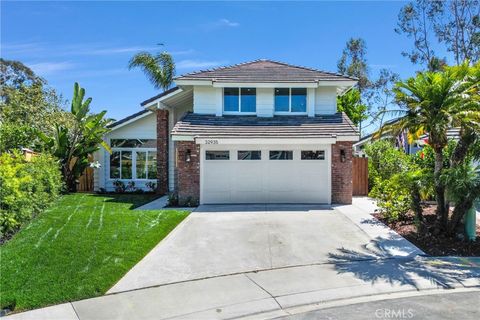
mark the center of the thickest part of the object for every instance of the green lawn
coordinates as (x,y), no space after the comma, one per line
(79,248)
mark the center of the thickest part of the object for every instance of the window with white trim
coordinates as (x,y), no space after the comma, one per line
(133,159)
(240,100)
(290,100)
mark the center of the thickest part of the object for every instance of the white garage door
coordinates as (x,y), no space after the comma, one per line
(265,174)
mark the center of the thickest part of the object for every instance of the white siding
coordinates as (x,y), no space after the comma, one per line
(207,100)
(325,100)
(265,102)
(144,128)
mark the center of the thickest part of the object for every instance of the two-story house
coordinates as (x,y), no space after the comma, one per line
(256,132)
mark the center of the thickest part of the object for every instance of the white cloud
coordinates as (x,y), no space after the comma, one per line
(221,23)
(227,23)
(198,64)
(48,68)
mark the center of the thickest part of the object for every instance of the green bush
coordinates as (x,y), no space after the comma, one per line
(14,137)
(397,181)
(394,199)
(384,161)
(26,188)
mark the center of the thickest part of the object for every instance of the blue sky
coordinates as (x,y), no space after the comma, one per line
(91,42)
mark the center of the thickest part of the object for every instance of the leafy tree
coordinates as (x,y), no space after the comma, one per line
(159,68)
(415,21)
(381,96)
(433,102)
(25,104)
(73,145)
(353,62)
(457,25)
(351,104)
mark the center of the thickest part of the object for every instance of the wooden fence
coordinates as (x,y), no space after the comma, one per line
(85,182)
(360,176)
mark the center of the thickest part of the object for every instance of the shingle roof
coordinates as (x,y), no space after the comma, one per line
(265,71)
(130,117)
(325,126)
(164,93)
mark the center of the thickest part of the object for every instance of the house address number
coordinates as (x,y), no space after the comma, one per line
(211,141)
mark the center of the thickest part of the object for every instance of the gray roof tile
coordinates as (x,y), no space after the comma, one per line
(264,71)
(252,126)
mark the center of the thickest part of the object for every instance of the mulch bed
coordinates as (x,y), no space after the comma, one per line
(435,245)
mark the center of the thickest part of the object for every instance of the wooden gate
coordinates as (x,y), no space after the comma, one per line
(85,182)
(360,176)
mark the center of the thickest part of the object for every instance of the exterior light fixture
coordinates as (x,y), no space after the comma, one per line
(188,155)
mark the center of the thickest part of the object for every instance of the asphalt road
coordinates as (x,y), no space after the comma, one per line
(465,306)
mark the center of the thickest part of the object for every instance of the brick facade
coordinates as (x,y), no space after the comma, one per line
(162,151)
(342,173)
(188,173)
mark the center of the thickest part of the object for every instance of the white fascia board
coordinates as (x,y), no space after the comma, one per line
(337,83)
(182,138)
(156,104)
(130,121)
(265,84)
(193,82)
(361,143)
(261,141)
(348,138)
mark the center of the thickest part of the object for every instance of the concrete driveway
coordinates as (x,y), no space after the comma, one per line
(229,239)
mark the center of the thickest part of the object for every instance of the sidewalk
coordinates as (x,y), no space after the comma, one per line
(272,293)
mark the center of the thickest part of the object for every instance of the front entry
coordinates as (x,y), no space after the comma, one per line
(265,174)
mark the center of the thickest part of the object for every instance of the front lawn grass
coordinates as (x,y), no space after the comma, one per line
(79,248)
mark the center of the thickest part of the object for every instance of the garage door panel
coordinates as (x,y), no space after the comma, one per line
(266,181)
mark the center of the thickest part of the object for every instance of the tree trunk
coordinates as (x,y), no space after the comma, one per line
(467,138)
(460,210)
(442,214)
(69,179)
(417,209)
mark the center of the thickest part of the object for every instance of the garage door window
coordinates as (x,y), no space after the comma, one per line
(313,155)
(281,155)
(250,155)
(217,155)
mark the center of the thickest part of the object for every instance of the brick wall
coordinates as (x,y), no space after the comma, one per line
(342,173)
(162,151)
(188,173)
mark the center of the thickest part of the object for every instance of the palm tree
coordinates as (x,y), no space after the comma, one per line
(159,68)
(433,102)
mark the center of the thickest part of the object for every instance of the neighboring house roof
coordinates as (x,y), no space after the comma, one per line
(265,71)
(197,125)
(164,93)
(129,118)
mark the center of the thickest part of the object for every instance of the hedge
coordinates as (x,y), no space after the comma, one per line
(26,189)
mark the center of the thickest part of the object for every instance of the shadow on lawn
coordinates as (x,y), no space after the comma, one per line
(134,199)
(376,264)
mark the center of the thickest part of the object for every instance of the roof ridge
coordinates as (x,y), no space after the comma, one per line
(267,60)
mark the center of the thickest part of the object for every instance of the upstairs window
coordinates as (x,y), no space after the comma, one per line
(290,100)
(240,100)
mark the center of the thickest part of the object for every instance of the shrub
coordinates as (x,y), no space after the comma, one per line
(384,161)
(172,199)
(26,188)
(14,137)
(119,186)
(152,186)
(395,199)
